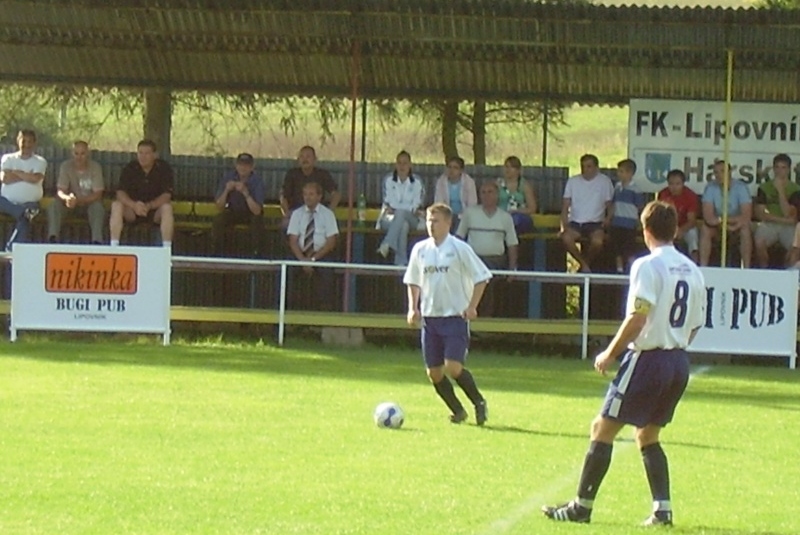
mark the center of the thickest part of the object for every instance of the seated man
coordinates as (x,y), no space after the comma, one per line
(296,179)
(240,200)
(80,189)
(491,233)
(403,195)
(687,204)
(740,212)
(22,175)
(775,208)
(312,235)
(586,211)
(144,194)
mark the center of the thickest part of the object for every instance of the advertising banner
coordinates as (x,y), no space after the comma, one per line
(749,312)
(90,288)
(689,135)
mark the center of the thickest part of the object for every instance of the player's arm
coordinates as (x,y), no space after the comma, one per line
(413,304)
(631,327)
(477,295)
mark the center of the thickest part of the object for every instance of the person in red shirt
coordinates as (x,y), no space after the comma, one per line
(687,204)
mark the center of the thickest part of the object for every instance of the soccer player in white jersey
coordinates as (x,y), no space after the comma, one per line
(665,309)
(446,280)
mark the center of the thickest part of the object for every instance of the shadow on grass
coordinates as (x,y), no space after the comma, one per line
(585,436)
(557,377)
(534,375)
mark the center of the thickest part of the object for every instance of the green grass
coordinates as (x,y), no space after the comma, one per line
(112,437)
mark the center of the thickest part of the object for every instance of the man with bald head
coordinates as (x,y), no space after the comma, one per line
(80,190)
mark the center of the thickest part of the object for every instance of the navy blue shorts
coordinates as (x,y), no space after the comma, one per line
(648,387)
(444,338)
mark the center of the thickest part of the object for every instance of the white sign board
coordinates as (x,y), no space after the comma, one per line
(90,288)
(749,312)
(690,134)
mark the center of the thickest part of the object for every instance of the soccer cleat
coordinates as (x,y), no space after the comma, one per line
(659,518)
(481,413)
(31,213)
(458,417)
(568,512)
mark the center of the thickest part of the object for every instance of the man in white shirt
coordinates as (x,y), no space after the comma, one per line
(403,195)
(665,309)
(490,232)
(446,280)
(22,175)
(586,211)
(80,189)
(312,235)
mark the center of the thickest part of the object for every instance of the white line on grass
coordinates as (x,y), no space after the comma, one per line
(535,501)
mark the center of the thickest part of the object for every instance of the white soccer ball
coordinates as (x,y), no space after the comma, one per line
(389,415)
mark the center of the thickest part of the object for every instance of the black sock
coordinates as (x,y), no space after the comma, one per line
(657,469)
(445,390)
(595,466)
(467,384)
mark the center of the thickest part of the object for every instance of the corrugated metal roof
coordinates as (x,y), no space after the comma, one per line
(492,49)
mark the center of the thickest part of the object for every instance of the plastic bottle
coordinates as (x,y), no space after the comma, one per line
(361,207)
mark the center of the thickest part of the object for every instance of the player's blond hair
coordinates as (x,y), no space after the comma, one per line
(442,209)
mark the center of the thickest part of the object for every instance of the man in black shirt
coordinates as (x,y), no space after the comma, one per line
(297,177)
(144,194)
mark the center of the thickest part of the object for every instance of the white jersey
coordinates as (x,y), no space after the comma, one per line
(446,274)
(675,289)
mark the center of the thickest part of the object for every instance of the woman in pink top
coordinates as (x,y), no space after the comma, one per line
(456,189)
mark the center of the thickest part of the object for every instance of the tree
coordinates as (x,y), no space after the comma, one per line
(477,117)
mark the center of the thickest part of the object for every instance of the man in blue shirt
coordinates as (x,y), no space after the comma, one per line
(740,213)
(240,200)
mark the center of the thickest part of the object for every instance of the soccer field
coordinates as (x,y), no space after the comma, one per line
(112,438)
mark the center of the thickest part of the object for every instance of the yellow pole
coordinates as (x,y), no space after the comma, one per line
(726,174)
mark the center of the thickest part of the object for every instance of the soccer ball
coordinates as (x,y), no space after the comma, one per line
(389,415)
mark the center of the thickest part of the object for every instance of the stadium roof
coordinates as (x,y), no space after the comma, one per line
(465,49)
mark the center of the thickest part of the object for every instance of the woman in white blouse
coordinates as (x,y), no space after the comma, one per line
(403,196)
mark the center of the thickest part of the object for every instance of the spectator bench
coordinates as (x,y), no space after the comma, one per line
(196,215)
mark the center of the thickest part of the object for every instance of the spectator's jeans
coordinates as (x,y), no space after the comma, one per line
(399,225)
(22,231)
(95,212)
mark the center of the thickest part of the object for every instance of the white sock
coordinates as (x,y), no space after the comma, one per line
(114,243)
(167,243)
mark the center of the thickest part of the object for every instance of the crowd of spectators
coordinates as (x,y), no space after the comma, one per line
(598,217)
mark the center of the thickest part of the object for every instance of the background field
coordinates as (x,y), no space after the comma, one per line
(210,437)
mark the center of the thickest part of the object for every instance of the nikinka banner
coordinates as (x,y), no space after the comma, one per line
(59,287)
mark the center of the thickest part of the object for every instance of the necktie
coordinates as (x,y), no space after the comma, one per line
(308,237)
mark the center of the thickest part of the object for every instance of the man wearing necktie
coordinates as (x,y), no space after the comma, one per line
(312,235)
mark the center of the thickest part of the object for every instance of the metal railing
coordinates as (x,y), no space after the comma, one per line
(585,280)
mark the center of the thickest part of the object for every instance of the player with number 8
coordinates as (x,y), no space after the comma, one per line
(665,309)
